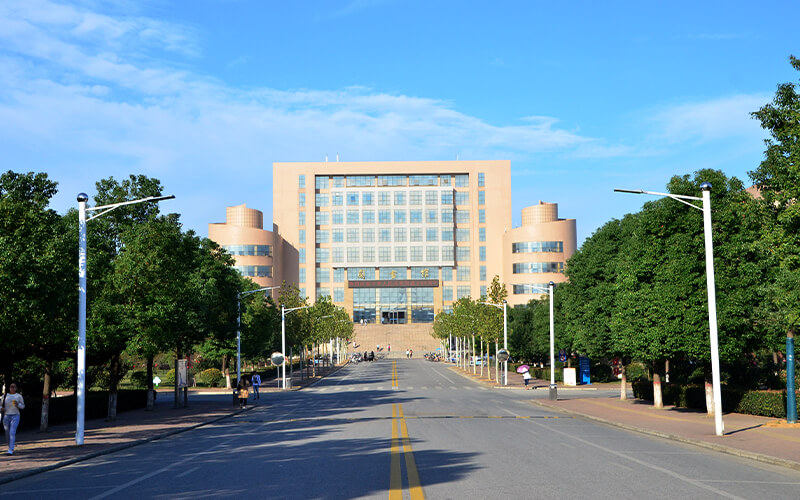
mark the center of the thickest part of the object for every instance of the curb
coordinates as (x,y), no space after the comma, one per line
(114,449)
(493,385)
(312,384)
(782,462)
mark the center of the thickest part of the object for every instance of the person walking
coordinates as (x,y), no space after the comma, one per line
(242,388)
(407,353)
(526,376)
(256,380)
(10,406)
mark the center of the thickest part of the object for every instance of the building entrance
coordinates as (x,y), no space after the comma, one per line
(393,317)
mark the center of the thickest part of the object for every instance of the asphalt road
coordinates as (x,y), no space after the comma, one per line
(409,429)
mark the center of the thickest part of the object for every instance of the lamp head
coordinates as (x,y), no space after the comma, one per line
(83,197)
(706,186)
(552,283)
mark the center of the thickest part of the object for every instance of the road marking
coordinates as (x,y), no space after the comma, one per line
(395,474)
(695,482)
(414,486)
(442,375)
(187,472)
(395,380)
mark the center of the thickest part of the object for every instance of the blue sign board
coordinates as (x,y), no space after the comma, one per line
(562,355)
(583,371)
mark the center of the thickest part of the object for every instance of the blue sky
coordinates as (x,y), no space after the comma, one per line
(582,97)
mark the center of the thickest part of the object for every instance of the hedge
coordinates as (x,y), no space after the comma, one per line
(212,377)
(64,409)
(749,402)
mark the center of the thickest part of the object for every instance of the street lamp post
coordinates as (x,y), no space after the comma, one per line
(505,334)
(81,361)
(239,328)
(712,297)
(284,312)
(553,387)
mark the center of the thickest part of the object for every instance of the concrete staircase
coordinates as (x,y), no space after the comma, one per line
(418,337)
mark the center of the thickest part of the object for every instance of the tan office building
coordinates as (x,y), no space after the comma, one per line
(255,250)
(535,253)
(396,242)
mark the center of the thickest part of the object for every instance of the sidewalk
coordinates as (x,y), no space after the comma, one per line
(768,440)
(37,452)
(764,439)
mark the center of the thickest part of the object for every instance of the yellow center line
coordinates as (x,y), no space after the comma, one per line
(395,479)
(414,486)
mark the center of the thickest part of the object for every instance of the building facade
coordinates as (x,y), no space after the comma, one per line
(393,242)
(397,242)
(255,250)
(536,252)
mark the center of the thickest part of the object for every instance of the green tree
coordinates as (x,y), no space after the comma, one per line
(661,310)
(109,330)
(778,180)
(38,312)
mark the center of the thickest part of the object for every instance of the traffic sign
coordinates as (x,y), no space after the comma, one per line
(562,355)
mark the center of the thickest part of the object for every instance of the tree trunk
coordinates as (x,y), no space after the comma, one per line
(227,371)
(44,420)
(709,392)
(151,397)
(113,381)
(474,361)
(8,369)
(176,391)
(658,401)
(623,386)
(481,353)
(496,364)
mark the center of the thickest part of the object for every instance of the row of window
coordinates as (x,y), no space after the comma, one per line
(257,250)
(392,300)
(340,181)
(386,298)
(387,235)
(538,267)
(537,246)
(461,292)
(385,198)
(415,253)
(402,273)
(255,271)
(530,288)
(385,217)
(391,217)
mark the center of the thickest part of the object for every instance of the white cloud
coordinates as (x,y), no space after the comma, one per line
(85,92)
(723,118)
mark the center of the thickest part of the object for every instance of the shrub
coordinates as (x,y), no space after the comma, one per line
(64,409)
(169,377)
(602,373)
(761,403)
(139,379)
(635,371)
(211,377)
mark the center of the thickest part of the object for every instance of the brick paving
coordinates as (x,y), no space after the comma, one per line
(36,452)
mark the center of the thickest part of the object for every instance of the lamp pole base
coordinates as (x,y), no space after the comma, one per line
(553,392)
